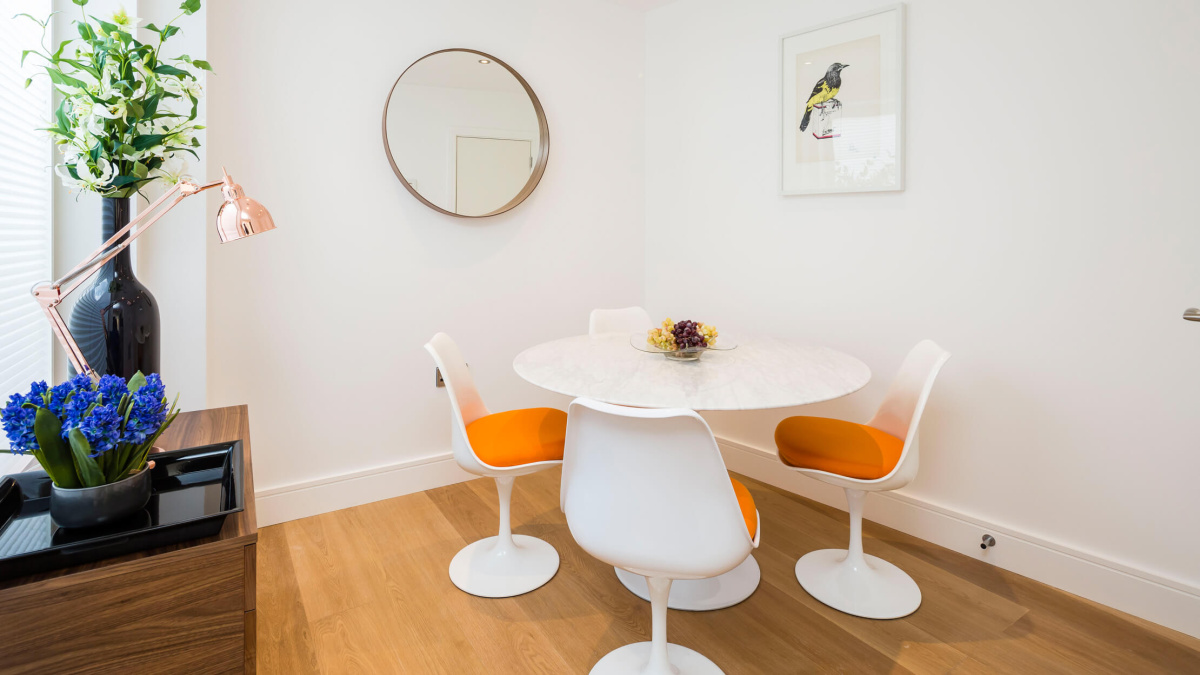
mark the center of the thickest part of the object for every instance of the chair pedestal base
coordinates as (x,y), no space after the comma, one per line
(632,659)
(490,570)
(869,587)
(702,595)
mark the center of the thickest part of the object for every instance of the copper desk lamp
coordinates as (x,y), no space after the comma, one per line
(238,217)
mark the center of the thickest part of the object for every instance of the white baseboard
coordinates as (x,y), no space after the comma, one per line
(1169,602)
(300,500)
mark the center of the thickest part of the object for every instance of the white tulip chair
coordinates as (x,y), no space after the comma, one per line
(860,458)
(628,320)
(647,491)
(502,446)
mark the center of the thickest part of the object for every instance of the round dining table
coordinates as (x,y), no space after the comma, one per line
(760,373)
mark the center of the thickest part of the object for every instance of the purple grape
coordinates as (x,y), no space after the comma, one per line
(687,335)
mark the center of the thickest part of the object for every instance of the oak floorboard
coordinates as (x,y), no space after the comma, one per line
(366,590)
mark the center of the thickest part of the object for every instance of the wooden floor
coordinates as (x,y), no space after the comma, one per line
(365,590)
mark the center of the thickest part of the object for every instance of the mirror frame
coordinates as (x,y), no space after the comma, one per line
(539,166)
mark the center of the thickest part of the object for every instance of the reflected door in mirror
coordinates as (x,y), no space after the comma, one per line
(488,172)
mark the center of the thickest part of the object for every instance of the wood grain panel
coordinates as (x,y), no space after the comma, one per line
(366,589)
(185,617)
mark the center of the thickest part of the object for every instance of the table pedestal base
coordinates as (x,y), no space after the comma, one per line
(702,595)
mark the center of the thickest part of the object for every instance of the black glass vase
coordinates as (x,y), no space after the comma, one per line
(115,319)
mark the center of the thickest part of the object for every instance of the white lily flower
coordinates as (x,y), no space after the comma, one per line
(82,107)
(89,178)
(117,110)
(172,171)
(193,88)
(123,21)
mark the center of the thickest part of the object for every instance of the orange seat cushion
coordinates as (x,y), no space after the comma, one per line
(519,437)
(836,446)
(746,502)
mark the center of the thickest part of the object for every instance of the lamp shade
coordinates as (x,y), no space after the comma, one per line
(240,216)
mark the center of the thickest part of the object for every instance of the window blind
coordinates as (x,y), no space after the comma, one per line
(25,203)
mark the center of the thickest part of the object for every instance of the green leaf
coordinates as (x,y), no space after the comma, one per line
(180,148)
(152,28)
(168,31)
(89,472)
(136,109)
(136,382)
(124,180)
(110,28)
(140,171)
(57,77)
(55,455)
(202,64)
(28,81)
(60,114)
(147,141)
(164,69)
(81,3)
(85,29)
(150,106)
(190,6)
(94,153)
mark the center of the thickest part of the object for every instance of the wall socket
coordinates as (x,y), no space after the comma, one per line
(437,376)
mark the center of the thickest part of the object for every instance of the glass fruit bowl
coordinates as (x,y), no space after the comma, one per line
(638,340)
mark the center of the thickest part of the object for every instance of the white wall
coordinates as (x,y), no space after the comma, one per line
(318,326)
(1047,238)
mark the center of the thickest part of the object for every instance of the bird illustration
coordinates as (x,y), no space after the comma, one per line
(827,87)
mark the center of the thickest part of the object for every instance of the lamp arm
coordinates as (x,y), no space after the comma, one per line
(50,296)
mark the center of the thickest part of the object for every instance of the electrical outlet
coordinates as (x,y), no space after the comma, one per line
(437,377)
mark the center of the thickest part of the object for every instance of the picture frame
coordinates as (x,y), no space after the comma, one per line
(843,133)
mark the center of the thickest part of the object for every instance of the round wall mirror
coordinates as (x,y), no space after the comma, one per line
(465,133)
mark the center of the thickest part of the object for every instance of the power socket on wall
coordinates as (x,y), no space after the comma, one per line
(437,377)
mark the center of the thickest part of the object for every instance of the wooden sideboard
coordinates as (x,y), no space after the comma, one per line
(185,608)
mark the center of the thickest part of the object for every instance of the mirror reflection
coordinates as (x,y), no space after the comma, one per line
(464,134)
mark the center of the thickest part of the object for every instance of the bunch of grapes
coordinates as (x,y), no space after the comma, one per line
(687,335)
(683,335)
(662,337)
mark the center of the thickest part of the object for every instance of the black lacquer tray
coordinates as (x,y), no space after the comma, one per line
(192,491)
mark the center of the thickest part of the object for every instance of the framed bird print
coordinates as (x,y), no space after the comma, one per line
(843,105)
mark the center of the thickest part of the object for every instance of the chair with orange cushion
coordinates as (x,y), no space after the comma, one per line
(647,491)
(876,456)
(503,446)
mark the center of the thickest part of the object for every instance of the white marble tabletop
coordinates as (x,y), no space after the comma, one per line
(760,373)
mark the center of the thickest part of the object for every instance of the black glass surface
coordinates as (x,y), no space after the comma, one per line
(115,320)
(193,490)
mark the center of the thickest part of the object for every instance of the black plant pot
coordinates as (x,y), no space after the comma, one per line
(115,320)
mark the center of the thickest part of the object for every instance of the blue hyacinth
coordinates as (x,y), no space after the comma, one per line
(102,429)
(18,424)
(112,388)
(76,408)
(149,411)
(106,413)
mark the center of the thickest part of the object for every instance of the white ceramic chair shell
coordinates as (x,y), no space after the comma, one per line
(848,579)
(647,491)
(507,564)
(628,320)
